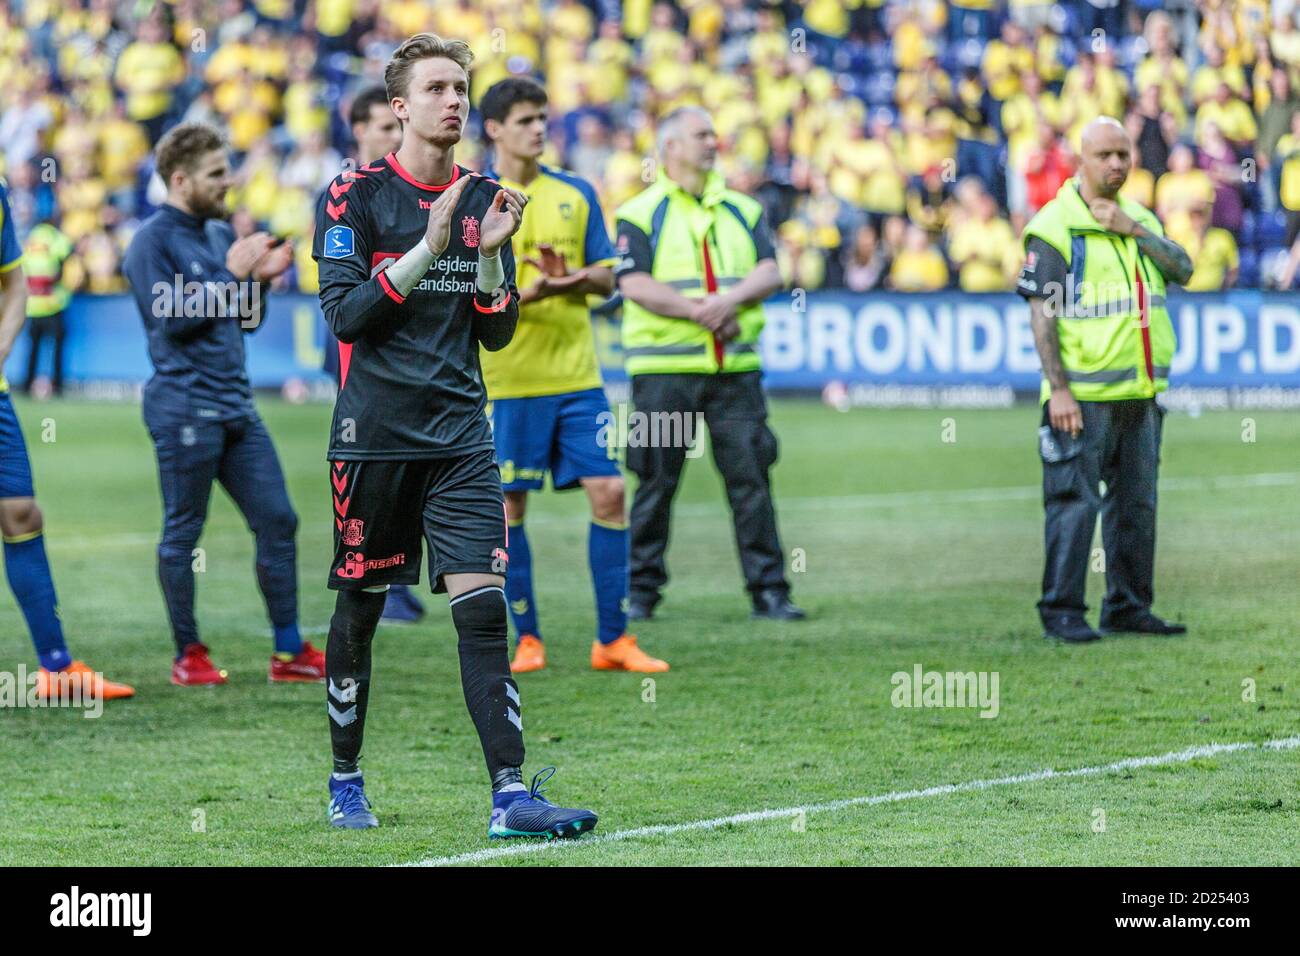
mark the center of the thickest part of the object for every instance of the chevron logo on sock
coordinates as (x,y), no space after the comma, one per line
(346,716)
(510,716)
(346,695)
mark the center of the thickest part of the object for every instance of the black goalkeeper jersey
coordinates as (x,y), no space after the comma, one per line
(411,383)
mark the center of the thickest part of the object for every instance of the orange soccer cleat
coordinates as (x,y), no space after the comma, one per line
(624,655)
(78,680)
(530,655)
(307,666)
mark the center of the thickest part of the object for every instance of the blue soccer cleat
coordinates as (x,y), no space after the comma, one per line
(526,813)
(401,606)
(349,807)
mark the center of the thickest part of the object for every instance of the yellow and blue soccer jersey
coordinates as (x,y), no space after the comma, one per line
(11,253)
(553,351)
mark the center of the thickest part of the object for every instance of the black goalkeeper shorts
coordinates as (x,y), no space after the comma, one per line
(382,510)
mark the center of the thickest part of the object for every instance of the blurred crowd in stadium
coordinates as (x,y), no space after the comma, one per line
(895,145)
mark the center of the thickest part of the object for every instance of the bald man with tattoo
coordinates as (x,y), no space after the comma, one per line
(1096,268)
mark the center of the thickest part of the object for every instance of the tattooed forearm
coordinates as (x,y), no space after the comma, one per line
(1170,258)
(1048,342)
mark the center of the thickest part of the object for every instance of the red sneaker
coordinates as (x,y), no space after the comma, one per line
(307,667)
(195,668)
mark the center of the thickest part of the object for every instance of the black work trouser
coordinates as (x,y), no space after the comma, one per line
(734,409)
(1120,445)
(38,329)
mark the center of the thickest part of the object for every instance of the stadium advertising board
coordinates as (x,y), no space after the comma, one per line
(947,345)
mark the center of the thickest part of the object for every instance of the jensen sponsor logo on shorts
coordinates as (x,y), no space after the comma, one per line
(61,689)
(75,909)
(636,429)
(355,564)
(195,300)
(922,688)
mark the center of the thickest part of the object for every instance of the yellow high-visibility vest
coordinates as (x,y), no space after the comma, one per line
(1117,340)
(699,246)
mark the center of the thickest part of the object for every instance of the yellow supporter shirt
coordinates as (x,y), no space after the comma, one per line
(1140,187)
(829,17)
(883,187)
(613,58)
(1235,121)
(304,109)
(918,271)
(334,17)
(553,350)
(1213,256)
(148,72)
(979,248)
(122,147)
(1002,67)
(1207,79)
(1021,123)
(409,16)
(911,46)
(1178,192)
(1288,150)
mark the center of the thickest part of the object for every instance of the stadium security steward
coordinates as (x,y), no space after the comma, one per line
(1095,270)
(697,263)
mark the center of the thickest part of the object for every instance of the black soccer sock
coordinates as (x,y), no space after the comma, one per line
(491,694)
(347,666)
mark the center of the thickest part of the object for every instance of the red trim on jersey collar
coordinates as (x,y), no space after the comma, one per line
(398,168)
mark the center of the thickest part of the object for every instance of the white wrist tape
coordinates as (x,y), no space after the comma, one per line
(491,273)
(406,272)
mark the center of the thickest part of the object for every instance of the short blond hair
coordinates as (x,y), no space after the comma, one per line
(422,46)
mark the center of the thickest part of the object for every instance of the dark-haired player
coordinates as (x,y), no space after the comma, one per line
(545,387)
(416,271)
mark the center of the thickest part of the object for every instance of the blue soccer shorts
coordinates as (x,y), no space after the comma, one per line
(15,466)
(563,434)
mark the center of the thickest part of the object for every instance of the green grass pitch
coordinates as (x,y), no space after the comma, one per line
(915,550)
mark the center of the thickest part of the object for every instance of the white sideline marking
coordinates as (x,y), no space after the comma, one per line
(667,829)
(838,503)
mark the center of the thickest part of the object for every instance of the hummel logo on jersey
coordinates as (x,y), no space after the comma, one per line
(338,242)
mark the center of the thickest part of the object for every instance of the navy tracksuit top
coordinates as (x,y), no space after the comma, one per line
(194,314)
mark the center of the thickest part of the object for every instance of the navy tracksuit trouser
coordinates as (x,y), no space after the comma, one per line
(192,453)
